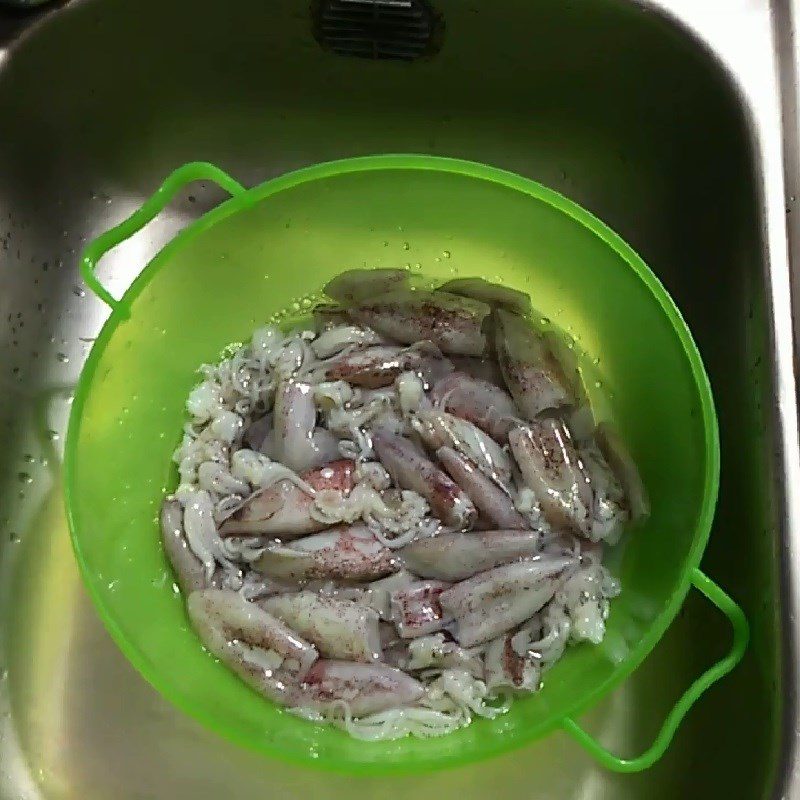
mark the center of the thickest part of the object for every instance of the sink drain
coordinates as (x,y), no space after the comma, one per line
(378,29)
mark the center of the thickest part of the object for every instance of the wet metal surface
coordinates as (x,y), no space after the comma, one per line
(662,118)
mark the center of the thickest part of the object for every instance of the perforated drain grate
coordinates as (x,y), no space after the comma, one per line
(378,29)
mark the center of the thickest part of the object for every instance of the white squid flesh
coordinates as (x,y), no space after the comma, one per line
(189,570)
(507,669)
(336,339)
(297,442)
(438,652)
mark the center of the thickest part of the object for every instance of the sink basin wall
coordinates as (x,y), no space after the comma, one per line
(610,103)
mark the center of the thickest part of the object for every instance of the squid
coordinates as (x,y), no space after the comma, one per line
(484,369)
(494,294)
(255,437)
(455,556)
(552,468)
(534,376)
(286,669)
(511,664)
(454,324)
(283,509)
(365,688)
(346,552)
(335,339)
(584,598)
(624,469)
(416,610)
(298,444)
(494,601)
(255,644)
(412,470)
(338,628)
(377,595)
(477,401)
(494,503)
(329,315)
(376,367)
(190,573)
(438,652)
(438,429)
(355,285)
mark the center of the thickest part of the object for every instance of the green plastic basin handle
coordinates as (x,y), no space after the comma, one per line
(97,248)
(662,741)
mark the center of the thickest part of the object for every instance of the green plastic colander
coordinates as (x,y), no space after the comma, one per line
(258,252)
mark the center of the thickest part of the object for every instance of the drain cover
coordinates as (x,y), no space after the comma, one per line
(377,29)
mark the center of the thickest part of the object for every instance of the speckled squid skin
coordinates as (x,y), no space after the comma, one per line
(412,470)
(533,374)
(284,508)
(494,504)
(456,556)
(346,552)
(494,601)
(454,324)
(478,401)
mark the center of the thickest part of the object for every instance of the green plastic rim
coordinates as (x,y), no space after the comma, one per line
(246,199)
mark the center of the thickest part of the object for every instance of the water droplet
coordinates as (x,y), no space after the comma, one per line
(29,458)
(78,291)
(52,435)
(13,537)
(544,320)
(597,384)
(596,362)
(406,246)
(63,358)
(24,477)
(445,254)
(386,243)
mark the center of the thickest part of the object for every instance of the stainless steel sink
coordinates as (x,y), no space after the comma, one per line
(663,118)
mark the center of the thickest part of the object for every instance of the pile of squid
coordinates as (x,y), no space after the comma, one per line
(393,521)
